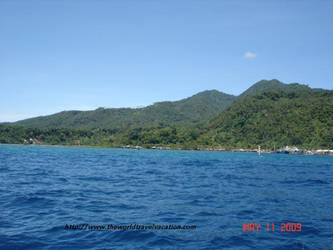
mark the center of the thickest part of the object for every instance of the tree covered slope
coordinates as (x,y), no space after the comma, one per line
(275,118)
(272,118)
(272,84)
(202,106)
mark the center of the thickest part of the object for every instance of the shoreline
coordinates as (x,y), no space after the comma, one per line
(327,152)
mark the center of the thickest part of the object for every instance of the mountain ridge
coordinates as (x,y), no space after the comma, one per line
(272,118)
(202,106)
(276,118)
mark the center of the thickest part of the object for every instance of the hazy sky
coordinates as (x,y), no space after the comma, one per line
(79,54)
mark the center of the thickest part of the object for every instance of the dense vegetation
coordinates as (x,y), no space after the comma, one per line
(59,136)
(272,84)
(200,107)
(292,115)
(274,119)
(147,137)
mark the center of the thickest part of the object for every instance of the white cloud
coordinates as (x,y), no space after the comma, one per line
(249,54)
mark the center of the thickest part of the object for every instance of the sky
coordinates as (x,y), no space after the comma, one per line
(60,55)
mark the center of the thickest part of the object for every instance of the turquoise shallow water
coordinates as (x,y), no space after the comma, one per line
(43,188)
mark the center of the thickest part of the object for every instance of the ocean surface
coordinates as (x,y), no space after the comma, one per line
(52,197)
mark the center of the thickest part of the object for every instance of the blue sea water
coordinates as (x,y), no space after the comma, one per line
(45,188)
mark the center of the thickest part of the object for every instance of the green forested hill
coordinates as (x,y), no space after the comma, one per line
(275,118)
(269,113)
(202,106)
(272,84)
(198,108)
(272,118)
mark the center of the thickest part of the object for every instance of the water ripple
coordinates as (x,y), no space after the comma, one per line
(43,189)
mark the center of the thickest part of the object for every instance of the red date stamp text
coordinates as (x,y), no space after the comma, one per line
(271,227)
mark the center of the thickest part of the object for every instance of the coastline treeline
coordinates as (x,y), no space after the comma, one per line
(271,118)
